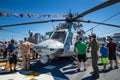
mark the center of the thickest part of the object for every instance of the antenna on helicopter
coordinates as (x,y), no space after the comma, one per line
(69,17)
(30,33)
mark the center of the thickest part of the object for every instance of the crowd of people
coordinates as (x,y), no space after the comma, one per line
(107,48)
(10,52)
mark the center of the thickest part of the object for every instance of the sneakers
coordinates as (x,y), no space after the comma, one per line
(78,70)
(92,72)
(95,76)
(10,70)
(84,69)
(110,68)
(115,67)
(103,70)
(15,70)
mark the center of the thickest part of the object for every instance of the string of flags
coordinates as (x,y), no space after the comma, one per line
(32,15)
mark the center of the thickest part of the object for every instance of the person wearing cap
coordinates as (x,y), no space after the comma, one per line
(80,49)
(112,53)
(94,54)
(105,41)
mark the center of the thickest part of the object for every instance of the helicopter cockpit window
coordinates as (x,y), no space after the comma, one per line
(59,36)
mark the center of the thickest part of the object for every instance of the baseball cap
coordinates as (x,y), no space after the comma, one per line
(92,35)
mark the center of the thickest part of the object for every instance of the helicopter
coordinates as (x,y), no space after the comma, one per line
(60,44)
(62,40)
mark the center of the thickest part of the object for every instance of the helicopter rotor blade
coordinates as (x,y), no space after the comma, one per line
(27,23)
(89,30)
(103,5)
(118,26)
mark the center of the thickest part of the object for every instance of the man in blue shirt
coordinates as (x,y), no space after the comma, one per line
(12,55)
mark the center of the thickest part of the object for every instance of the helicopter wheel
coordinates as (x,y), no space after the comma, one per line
(44,59)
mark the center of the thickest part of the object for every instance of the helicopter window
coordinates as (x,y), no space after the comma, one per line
(59,36)
(69,38)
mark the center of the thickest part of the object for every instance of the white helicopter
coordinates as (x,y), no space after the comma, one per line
(61,42)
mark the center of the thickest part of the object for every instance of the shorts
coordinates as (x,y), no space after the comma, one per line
(112,56)
(26,58)
(104,60)
(82,57)
(13,59)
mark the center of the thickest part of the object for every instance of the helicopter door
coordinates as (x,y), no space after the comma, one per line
(71,51)
(68,42)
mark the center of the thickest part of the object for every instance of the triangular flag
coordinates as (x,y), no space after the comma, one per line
(15,14)
(29,15)
(0,14)
(39,15)
(25,15)
(55,15)
(21,15)
(64,15)
(5,13)
(44,15)
(49,15)
(32,15)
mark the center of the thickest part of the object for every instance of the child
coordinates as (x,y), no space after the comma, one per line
(104,56)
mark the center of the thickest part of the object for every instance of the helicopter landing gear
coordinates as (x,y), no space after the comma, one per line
(44,59)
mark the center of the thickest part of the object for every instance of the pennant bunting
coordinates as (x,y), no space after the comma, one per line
(32,15)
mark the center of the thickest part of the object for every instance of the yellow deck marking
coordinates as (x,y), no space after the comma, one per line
(118,61)
(33,74)
(7,66)
(2,63)
(20,59)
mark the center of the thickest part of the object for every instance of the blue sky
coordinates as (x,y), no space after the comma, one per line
(54,7)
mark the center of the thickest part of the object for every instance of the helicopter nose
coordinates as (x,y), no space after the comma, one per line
(49,47)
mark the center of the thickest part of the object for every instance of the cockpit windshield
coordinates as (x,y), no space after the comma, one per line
(59,36)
